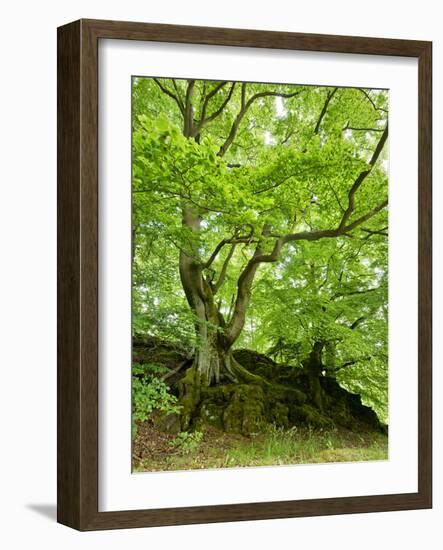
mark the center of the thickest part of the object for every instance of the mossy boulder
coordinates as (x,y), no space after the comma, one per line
(272,394)
(247,408)
(169,423)
(235,408)
(279,393)
(245,412)
(309,415)
(346,408)
(189,396)
(155,350)
(279,415)
(210,414)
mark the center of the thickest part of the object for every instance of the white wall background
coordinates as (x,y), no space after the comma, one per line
(28,271)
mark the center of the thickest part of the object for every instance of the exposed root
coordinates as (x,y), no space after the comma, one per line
(243,375)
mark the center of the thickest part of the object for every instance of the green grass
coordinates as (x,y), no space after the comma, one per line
(215,449)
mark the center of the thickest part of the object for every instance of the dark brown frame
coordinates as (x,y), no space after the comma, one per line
(77,456)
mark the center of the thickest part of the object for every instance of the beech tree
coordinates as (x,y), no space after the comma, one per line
(239,182)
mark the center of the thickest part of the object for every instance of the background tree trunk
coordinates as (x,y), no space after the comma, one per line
(313,367)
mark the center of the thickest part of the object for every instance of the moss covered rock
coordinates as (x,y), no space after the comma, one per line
(154,350)
(168,423)
(271,393)
(245,412)
(210,414)
(279,415)
(190,393)
(346,408)
(309,415)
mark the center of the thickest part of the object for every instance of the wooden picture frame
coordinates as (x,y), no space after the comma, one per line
(78,274)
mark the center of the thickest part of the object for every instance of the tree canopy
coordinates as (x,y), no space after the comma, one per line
(260,221)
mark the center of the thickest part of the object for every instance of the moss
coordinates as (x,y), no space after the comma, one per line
(306,414)
(211,414)
(219,394)
(190,392)
(244,375)
(288,394)
(279,415)
(265,392)
(340,412)
(257,363)
(346,408)
(155,350)
(168,423)
(245,411)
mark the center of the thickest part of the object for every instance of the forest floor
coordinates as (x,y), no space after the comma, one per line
(154,450)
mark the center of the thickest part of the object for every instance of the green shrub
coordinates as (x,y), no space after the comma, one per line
(187,442)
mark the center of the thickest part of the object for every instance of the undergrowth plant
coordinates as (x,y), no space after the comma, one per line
(150,393)
(187,442)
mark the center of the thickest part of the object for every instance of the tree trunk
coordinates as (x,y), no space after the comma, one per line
(214,361)
(313,367)
(213,357)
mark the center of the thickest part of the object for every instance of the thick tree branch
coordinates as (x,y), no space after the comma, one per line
(189,111)
(355,293)
(357,322)
(235,239)
(214,255)
(177,91)
(203,119)
(222,276)
(246,278)
(371,101)
(245,105)
(366,217)
(273,256)
(323,111)
(352,362)
(316,235)
(383,231)
(361,178)
(208,97)
(171,95)
(219,111)
(362,129)
(244,286)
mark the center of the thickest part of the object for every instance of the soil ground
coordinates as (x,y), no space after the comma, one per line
(154,450)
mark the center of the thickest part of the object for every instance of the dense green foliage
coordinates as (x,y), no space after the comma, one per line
(150,393)
(187,442)
(287,185)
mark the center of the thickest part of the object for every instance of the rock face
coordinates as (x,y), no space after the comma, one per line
(283,398)
(247,408)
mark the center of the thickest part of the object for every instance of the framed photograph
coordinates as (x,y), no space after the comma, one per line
(244,275)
